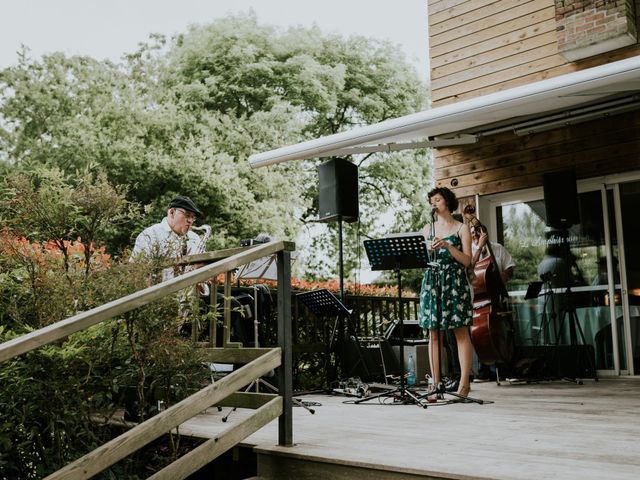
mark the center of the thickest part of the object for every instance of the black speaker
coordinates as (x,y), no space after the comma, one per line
(338,191)
(411,333)
(369,360)
(561,199)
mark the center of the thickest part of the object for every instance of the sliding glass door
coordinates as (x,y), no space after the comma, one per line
(627,198)
(567,287)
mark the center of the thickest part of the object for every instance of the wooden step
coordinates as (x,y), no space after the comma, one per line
(277,465)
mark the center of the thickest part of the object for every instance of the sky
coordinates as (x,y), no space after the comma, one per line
(106,29)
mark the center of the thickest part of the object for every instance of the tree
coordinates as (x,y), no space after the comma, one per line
(331,84)
(181,116)
(133,360)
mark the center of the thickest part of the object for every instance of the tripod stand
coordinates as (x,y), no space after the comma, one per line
(563,273)
(398,253)
(255,384)
(580,354)
(546,320)
(568,314)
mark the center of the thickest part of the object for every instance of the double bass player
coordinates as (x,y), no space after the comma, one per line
(492,331)
(503,258)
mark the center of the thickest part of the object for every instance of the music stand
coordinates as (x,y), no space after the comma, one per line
(397,253)
(262,268)
(323,303)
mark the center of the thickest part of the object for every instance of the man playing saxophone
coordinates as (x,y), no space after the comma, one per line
(172,238)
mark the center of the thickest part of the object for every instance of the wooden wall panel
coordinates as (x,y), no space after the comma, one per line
(491,151)
(443,10)
(478,47)
(505,162)
(479,55)
(499,70)
(542,75)
(482,46)
(492,21)
(467,13)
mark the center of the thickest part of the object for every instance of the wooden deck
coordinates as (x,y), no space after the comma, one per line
(555,430)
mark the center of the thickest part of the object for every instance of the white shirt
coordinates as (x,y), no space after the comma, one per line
(504,260)
(159,241)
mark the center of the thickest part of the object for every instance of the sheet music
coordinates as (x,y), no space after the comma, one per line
(265,268)
(402,234)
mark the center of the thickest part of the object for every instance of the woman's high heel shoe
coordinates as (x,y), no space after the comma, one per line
(463,391)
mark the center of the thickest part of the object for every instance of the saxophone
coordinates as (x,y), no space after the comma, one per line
(203,238)
(202,288)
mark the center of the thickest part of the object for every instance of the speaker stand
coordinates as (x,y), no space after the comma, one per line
(340,259)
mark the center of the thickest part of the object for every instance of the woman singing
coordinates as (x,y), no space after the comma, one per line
(445,296)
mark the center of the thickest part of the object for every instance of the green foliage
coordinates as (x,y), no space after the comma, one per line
(47,204)
(43,419)
(183,115)
(521,227)
(180,116)
(49,397)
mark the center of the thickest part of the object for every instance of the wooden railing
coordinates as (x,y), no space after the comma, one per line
(372,315)
(258,362)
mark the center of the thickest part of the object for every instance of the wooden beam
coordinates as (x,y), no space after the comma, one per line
(285,372)
(215,255)
(226,325)
(214,447)
(231,355)
(127,443)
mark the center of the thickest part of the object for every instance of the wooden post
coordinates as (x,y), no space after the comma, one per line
(213,305)
(285,372)
(227,343)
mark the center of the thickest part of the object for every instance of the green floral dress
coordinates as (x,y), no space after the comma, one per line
(454,300)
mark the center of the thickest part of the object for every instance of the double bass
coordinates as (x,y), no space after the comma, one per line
(492,327)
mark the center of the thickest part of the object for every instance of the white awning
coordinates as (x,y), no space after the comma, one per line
(604,90)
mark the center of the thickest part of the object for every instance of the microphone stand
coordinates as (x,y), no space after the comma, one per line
(434,265)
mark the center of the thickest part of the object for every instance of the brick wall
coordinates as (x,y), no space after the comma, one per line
(590,27)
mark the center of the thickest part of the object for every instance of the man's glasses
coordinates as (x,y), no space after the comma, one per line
(188,215)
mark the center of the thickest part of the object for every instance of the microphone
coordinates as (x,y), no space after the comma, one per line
(434,210)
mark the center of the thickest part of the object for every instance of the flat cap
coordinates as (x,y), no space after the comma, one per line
(185,203)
